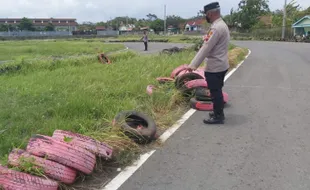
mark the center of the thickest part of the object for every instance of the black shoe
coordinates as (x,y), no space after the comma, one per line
(211,114)
(214,120)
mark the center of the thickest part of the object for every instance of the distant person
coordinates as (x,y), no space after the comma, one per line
(215,49)
(145,40)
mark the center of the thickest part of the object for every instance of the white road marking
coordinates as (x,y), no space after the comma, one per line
(123,176)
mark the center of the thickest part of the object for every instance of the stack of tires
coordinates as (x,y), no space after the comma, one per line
(59,158)
(202,99)
(192,85)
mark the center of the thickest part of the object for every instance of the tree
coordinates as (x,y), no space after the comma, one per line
(157,25)
(151,17)
(6,27)
(293,11)
(231,19)
(87,26)
(50,27)
(175,21)
(249,12)
(26,24)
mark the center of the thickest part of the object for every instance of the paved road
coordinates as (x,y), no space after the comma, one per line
(265,142)
(153,47)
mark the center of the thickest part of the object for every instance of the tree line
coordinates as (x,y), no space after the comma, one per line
(255,14)
(250,15)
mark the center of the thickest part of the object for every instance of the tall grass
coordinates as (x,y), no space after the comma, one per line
(80,94)
(172,38)
(10,50)
(267,34)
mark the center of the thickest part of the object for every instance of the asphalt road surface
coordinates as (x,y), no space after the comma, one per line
(265,142)
(154,47)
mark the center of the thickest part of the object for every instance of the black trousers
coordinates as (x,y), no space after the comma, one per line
(145,45)
(215,84)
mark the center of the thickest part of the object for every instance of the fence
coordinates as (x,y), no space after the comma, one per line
(21,35)
(108,33)
(36,33)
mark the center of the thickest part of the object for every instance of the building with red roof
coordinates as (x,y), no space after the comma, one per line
(194,25)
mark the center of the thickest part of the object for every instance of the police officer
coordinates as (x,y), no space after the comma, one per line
(215,49)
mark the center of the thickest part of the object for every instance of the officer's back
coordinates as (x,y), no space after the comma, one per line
(218,55)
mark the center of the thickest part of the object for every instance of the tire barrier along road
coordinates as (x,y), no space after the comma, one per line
(50,168)
(187,83)
(15,180)
(63,153)
(90,144)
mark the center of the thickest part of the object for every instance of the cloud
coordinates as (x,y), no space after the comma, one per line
(99,10)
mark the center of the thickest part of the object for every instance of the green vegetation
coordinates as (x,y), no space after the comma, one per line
(254,20)
(81,95)
(173,39)
(37,48)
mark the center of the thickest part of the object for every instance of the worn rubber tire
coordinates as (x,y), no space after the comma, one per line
(138,126)
(64,153)
(51,169)
(194,84)
(14,180)
(149,89)
(182,79)
(203,94)
(104,59)
(201,105)
(94,146)
(177,70)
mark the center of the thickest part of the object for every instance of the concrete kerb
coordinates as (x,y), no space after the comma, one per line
(124,175)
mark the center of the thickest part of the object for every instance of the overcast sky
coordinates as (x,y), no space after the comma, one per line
(102,10)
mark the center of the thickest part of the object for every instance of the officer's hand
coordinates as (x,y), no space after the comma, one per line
(189,69)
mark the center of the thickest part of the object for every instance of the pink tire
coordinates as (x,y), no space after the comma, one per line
(14,180)
(51,169)
(201,105)
(196,83)
(205,105)
(99,148)
(177,70)
(201,72)
(64,153)
(149,89)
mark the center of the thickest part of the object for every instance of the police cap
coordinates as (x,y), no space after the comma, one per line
(210,6)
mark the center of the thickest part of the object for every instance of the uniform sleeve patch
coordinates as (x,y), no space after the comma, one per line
(208,36)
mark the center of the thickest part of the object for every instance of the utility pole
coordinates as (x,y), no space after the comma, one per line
(165,20)
(284,20)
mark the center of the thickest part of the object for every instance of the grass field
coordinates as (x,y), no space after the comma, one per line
(172,38)
(81,95)
(78,94)
(37,48)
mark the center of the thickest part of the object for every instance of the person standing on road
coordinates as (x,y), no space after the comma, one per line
(215,49)
(145,40)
